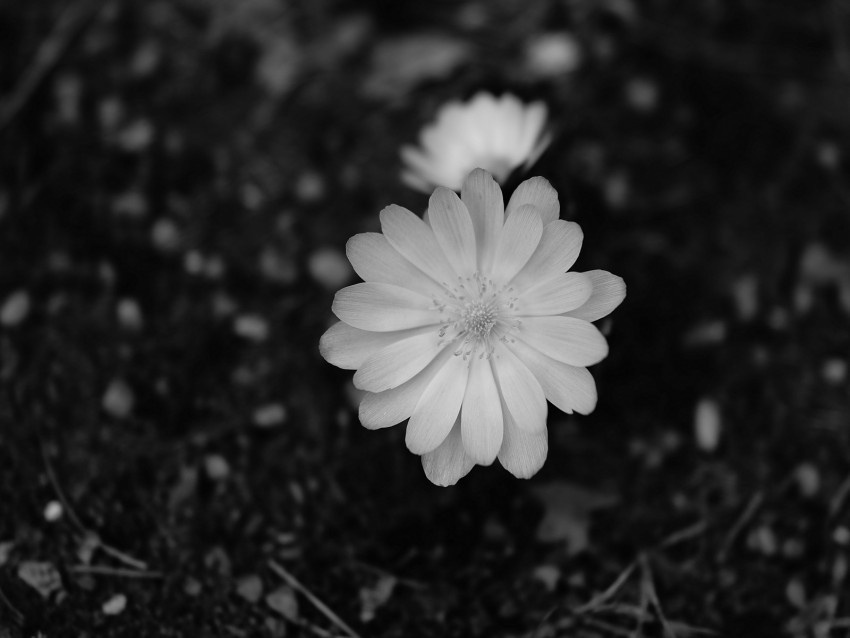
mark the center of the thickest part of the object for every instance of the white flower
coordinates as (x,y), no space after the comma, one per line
(468,321)
(497,135)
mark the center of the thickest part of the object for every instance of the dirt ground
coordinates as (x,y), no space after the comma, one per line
(177,182)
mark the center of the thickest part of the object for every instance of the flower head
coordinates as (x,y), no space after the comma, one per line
(496,134)
(468,321)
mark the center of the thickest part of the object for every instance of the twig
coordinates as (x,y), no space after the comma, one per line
(112,551)
(48,55)
(683,535)
(318,604)
(113,571)
(608,593)
(17,616)
(648,589)
(746,516)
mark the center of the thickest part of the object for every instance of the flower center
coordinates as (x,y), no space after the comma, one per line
(479,317)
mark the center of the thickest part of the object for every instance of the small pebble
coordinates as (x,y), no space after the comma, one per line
(795,592)
(310,187)
(552,54)
(193,262)
(763,540)
(828,155)
(251,327)
(250,588)
(136,136)
(841,535)
(642,94)
(549,575)
(115,605)
(745,293)
(284,602)
(130,314)
(192,587)
(118,399)
(808,479)
(330,268)
(834,371)
(268,416)
(707,425)
(217,467)
(53,511)
(166,235)
(15,309)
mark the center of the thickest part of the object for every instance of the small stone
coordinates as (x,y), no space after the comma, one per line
(834,371)
(841,535)
(43,577)
(330,268)
(828,155)
(268,416)
(166,235)
(118,399)
(250,588)
(131,204)
(642,94)
(15,309)
(284,602)
(707,425)
(217,467)
(795,592)
(53,511)
(192,587)
(115,605)
(193,262)
(553,54)
(549,575)
(136,136)
(808,479)
(130,314)
(310,187)
(745,292)
(251,327)
(763,540)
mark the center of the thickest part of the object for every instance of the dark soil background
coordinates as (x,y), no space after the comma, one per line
(177,182)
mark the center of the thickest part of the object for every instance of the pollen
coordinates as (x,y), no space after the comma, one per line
(479,319)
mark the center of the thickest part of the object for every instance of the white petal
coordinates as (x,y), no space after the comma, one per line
(383,307)
(517,242)
(535,119)
(481,415)
(523,453)
(447,464)
(438,407)
(520,390)
(572,341)
(453,229)
(537,192)
(483,199)
(412,237)
(347,347)
(556,253)
(554,296)
(608,293)
(374,259)
(569,388)
(383,409)
(398,362)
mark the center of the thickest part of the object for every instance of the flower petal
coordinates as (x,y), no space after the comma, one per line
(347,347)
(483,199)
(383,307)
(567,387)
(535,119)
(412,237)
(398,362)
(481,415)
(448,463)
(608,293)
(383,409)
(374,259)
(453,229)
(572,341)
(556,253)
(537,192)
(517,242)
(521,392)
(523,453)
(554,296)
(438,407)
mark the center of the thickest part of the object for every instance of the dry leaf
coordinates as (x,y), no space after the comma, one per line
(43,577)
